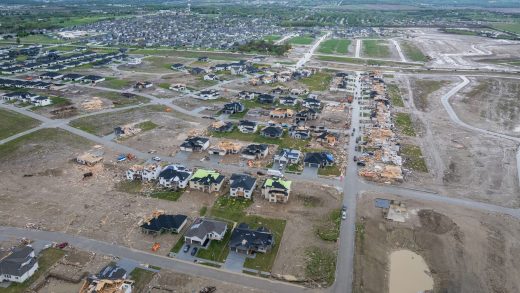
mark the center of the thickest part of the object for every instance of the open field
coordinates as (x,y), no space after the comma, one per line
(376,49)
(412,52)
(301,40)
(510,27)
(12,123)
(334,46)
(190,54)
(423,89)
(318,82)
(273,38)
(451,240)
(491,103)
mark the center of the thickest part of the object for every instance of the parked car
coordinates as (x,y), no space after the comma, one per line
(186,248)
(62,245)
(361,163)
(355,159)
(194,251)
(343,215)
(157,159)
(260,173)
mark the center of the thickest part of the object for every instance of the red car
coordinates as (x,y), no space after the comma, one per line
(62,245)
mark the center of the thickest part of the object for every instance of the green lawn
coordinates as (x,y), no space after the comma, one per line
(284,142)
(239,115)
(146,125)
(413,158)
(232,209)
(329,171)
(217,250)
(12,123)
(115,83)
(404,123)
(318,82)
(413,53)
(329,230)
(141,279)
(190,54)
(40,39)
(273,38)
(513,27)
(118,100)
(334,46)
(376,49)
(132,187)
(177,247)
(320,265)
(46,259)
(168,194)
(395,95)
(301,40)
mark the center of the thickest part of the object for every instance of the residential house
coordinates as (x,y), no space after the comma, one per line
(143,85)
(250,241)
(208,95)
(233,107)
(164,223)
(299,132)
(175,177)
(327,137)
(278,90)
(51,75)
(207,180)
(202,231)
(276,190)
(179,87)
(306,115)
(288,101)
(221,126)
(151,171)
(299,92)
(225,148)
(203,59)
(246,126)
(18,264)
(246,95)
(73,77)
(318,159)
(134,173)
(242,185)
(272,132)
(211,76)
(195,144)
(197,71)
(178,66)
(112,272)
(41,101)
(93,79)
(288,157)
(312,103)
(255,151)
(266,99)
(281,113)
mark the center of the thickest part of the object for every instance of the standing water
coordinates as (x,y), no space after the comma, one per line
(408,273)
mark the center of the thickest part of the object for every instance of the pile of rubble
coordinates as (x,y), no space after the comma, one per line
(380,160)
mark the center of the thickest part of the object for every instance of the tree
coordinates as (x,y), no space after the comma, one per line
(18,40)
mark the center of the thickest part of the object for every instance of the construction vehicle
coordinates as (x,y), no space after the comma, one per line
(156,246)
(130,157)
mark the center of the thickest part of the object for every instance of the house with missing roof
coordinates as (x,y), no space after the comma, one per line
(250,241)
(174,177)
(207,181)
(164,223)
(318,160)
(242,185)
(203,230)
(276,190)
(18,264)
(288,157)
(195,144)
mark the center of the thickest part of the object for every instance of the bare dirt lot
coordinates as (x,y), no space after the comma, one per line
(490,103)
(461,162)
(466,250)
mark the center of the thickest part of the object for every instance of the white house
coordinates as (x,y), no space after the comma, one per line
(242,185)
(18,265)
(151,172)
(175,176)
(210,76)
(41,101)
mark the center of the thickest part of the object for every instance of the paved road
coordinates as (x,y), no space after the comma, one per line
(143,257)
(285,38)
(309,54)
(358,48)
(401,55)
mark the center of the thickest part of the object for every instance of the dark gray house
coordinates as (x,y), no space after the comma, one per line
(250,241)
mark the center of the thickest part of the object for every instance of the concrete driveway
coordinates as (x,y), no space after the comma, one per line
(235,262)
(310,173)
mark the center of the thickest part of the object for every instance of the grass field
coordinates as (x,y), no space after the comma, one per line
(12,123)
(217,250)
(395,95)
(413,158)
(329,171)
(141,278)
(46,259)
(115,83)
(362,61)
(413,53)
(334,46)
(329,230)
(167,194)
(403,121)
(273,38)
(376,49)
(318,82)
(190,54)
(513,27)
(301,40)
(320,265)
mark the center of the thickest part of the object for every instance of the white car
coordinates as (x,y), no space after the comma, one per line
(157,159)
(344,215)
